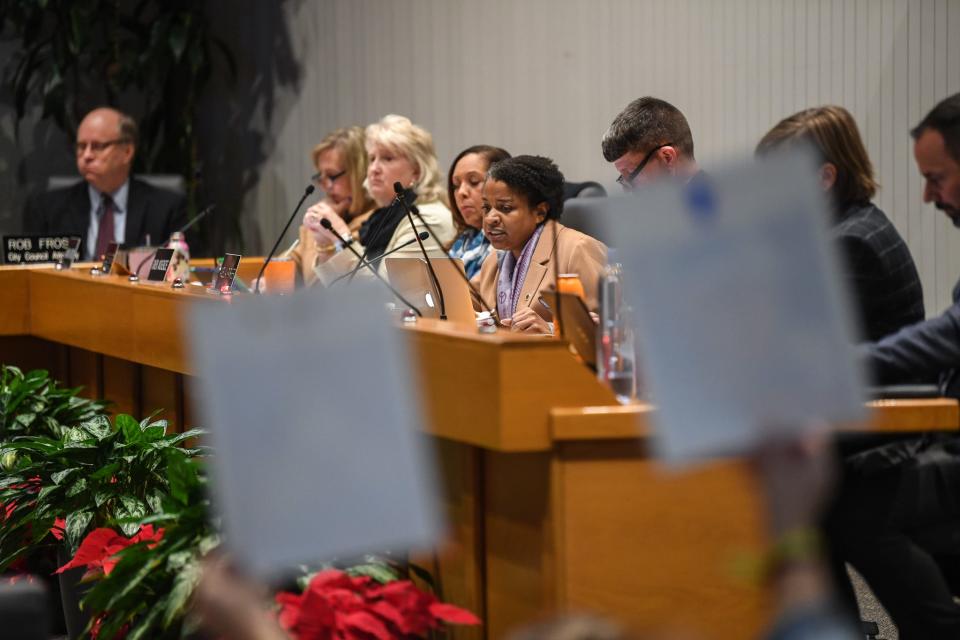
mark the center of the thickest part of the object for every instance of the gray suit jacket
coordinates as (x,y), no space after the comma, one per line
(925,350)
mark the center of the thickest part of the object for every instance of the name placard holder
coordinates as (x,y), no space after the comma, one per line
(70,255)
(223,283)
(109,258)
(160,265)
(37,249)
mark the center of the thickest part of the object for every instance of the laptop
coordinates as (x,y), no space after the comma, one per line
(411,278)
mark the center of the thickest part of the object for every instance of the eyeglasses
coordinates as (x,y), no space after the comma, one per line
(627,182)
(320,180)
(98,147)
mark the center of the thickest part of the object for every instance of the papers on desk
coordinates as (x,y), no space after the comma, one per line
(743,325)
(315,429)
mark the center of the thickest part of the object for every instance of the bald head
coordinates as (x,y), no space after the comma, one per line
(106,141)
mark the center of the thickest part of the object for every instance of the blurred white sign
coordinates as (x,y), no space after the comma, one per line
(742,320)
(315,428)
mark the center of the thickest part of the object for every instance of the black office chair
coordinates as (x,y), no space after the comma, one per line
(580,211)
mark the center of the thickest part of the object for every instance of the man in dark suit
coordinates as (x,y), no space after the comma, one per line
(898,521)
(107,205)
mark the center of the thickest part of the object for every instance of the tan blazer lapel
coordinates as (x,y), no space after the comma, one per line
(539,267)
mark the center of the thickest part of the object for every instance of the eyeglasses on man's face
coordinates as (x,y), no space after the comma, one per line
(626,182)
(98,147)
(326,181)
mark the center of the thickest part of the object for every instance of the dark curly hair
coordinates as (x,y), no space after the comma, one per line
(489,153)
(537,178)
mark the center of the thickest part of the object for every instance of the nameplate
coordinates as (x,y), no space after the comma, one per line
(109,257)
(226,274)
(38,249)
(161,263)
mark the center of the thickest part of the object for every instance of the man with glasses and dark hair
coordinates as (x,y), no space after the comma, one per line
(107,205)
(649,140)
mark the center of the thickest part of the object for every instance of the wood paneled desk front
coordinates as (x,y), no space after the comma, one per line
(553,500)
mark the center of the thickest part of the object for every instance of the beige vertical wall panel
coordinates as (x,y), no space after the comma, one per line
(547,76)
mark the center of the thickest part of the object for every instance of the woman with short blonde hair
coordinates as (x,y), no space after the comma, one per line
(399,134)
(398,151)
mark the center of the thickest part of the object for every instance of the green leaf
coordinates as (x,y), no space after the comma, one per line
(146,624)
(106,471)
(181,475)
(99,427)
(379,572)
(57,477)
(78,487)
(153,433)
(77,523)
(129,427)
(129,513)
(183,585)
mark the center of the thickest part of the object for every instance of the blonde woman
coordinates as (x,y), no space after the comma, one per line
(398,151)
(341,163)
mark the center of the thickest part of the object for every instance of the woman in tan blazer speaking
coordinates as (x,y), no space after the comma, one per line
(522,203)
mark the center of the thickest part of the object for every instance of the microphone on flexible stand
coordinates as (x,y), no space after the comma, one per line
(373,263)
(276,245)
(349,246)
(401,197)
(473,289)
(197,218)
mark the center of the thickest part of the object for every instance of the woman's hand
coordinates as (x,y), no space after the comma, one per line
(316,213)
(527,320)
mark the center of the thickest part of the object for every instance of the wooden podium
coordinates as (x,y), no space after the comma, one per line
(553,500)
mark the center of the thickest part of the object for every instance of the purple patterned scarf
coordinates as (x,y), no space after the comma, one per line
(512,274)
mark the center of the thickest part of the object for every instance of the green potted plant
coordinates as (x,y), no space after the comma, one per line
(96,474)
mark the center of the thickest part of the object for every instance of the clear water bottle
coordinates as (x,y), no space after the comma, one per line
(616,353)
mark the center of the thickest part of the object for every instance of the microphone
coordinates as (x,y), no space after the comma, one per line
(349,245)
(276,245)
(463,276)
(401,196)
(197,218)
(423,236)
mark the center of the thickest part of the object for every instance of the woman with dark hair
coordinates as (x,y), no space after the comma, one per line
(522,203)
(464,183)
(879,267)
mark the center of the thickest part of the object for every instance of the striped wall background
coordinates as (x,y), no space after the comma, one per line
(547,76)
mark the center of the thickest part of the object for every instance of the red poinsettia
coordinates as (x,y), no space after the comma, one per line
(59,528)
(98,549)
(336,606)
